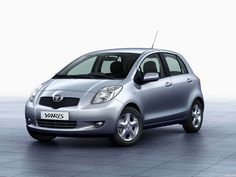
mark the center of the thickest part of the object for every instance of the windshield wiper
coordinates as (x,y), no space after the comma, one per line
(71,76)
(101,75)
(91,76)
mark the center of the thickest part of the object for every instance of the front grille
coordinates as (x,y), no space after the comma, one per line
(65,102)
(57,123)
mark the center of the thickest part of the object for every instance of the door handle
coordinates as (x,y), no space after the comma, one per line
(168,84)
(189,80)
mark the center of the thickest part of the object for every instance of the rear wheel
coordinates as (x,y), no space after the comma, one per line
(129,127)
(195,118)
(41,137)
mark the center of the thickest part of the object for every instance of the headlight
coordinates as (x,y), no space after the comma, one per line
(32,96)
(106,94)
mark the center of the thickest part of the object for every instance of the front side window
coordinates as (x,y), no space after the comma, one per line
(100,66)
(174,64)
(152,64)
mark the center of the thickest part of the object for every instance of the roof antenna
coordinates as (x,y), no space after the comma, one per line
(154,40)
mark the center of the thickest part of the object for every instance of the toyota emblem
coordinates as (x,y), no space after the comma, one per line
(57,98)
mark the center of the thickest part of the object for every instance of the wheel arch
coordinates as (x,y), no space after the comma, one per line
(201,101)
(131,104)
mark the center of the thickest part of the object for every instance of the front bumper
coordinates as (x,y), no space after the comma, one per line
(85,114)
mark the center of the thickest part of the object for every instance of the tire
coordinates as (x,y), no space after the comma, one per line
(40,137)
(195,118)
(129,127)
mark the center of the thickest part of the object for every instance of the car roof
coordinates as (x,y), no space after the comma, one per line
(133,50)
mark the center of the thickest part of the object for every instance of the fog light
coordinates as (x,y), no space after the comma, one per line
(98,124)
(29,121)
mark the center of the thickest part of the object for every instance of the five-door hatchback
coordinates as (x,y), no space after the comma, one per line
(117,93)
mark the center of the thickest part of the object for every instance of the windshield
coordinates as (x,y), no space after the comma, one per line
(99,66)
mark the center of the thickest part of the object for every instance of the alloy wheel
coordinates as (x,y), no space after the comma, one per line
(196,116)
(128,127)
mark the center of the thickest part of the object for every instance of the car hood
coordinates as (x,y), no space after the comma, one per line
(79,85)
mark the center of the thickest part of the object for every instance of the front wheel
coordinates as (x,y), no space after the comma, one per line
(129,127)
(40,137)
(195,118)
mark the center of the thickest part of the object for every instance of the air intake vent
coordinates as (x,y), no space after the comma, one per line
(56,123)
(65,102)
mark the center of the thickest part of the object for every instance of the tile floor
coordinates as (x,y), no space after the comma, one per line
(165,151)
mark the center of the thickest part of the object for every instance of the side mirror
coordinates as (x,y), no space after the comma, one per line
(150,77)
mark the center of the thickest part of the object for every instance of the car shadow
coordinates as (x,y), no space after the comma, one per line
(148,137)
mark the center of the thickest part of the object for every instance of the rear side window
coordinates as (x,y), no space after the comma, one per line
(175,64)
(183,67)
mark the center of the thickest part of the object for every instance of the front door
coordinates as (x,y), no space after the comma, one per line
(157,96)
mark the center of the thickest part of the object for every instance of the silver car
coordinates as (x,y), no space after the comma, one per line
(117,93)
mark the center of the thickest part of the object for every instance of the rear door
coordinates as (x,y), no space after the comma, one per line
(182,83)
